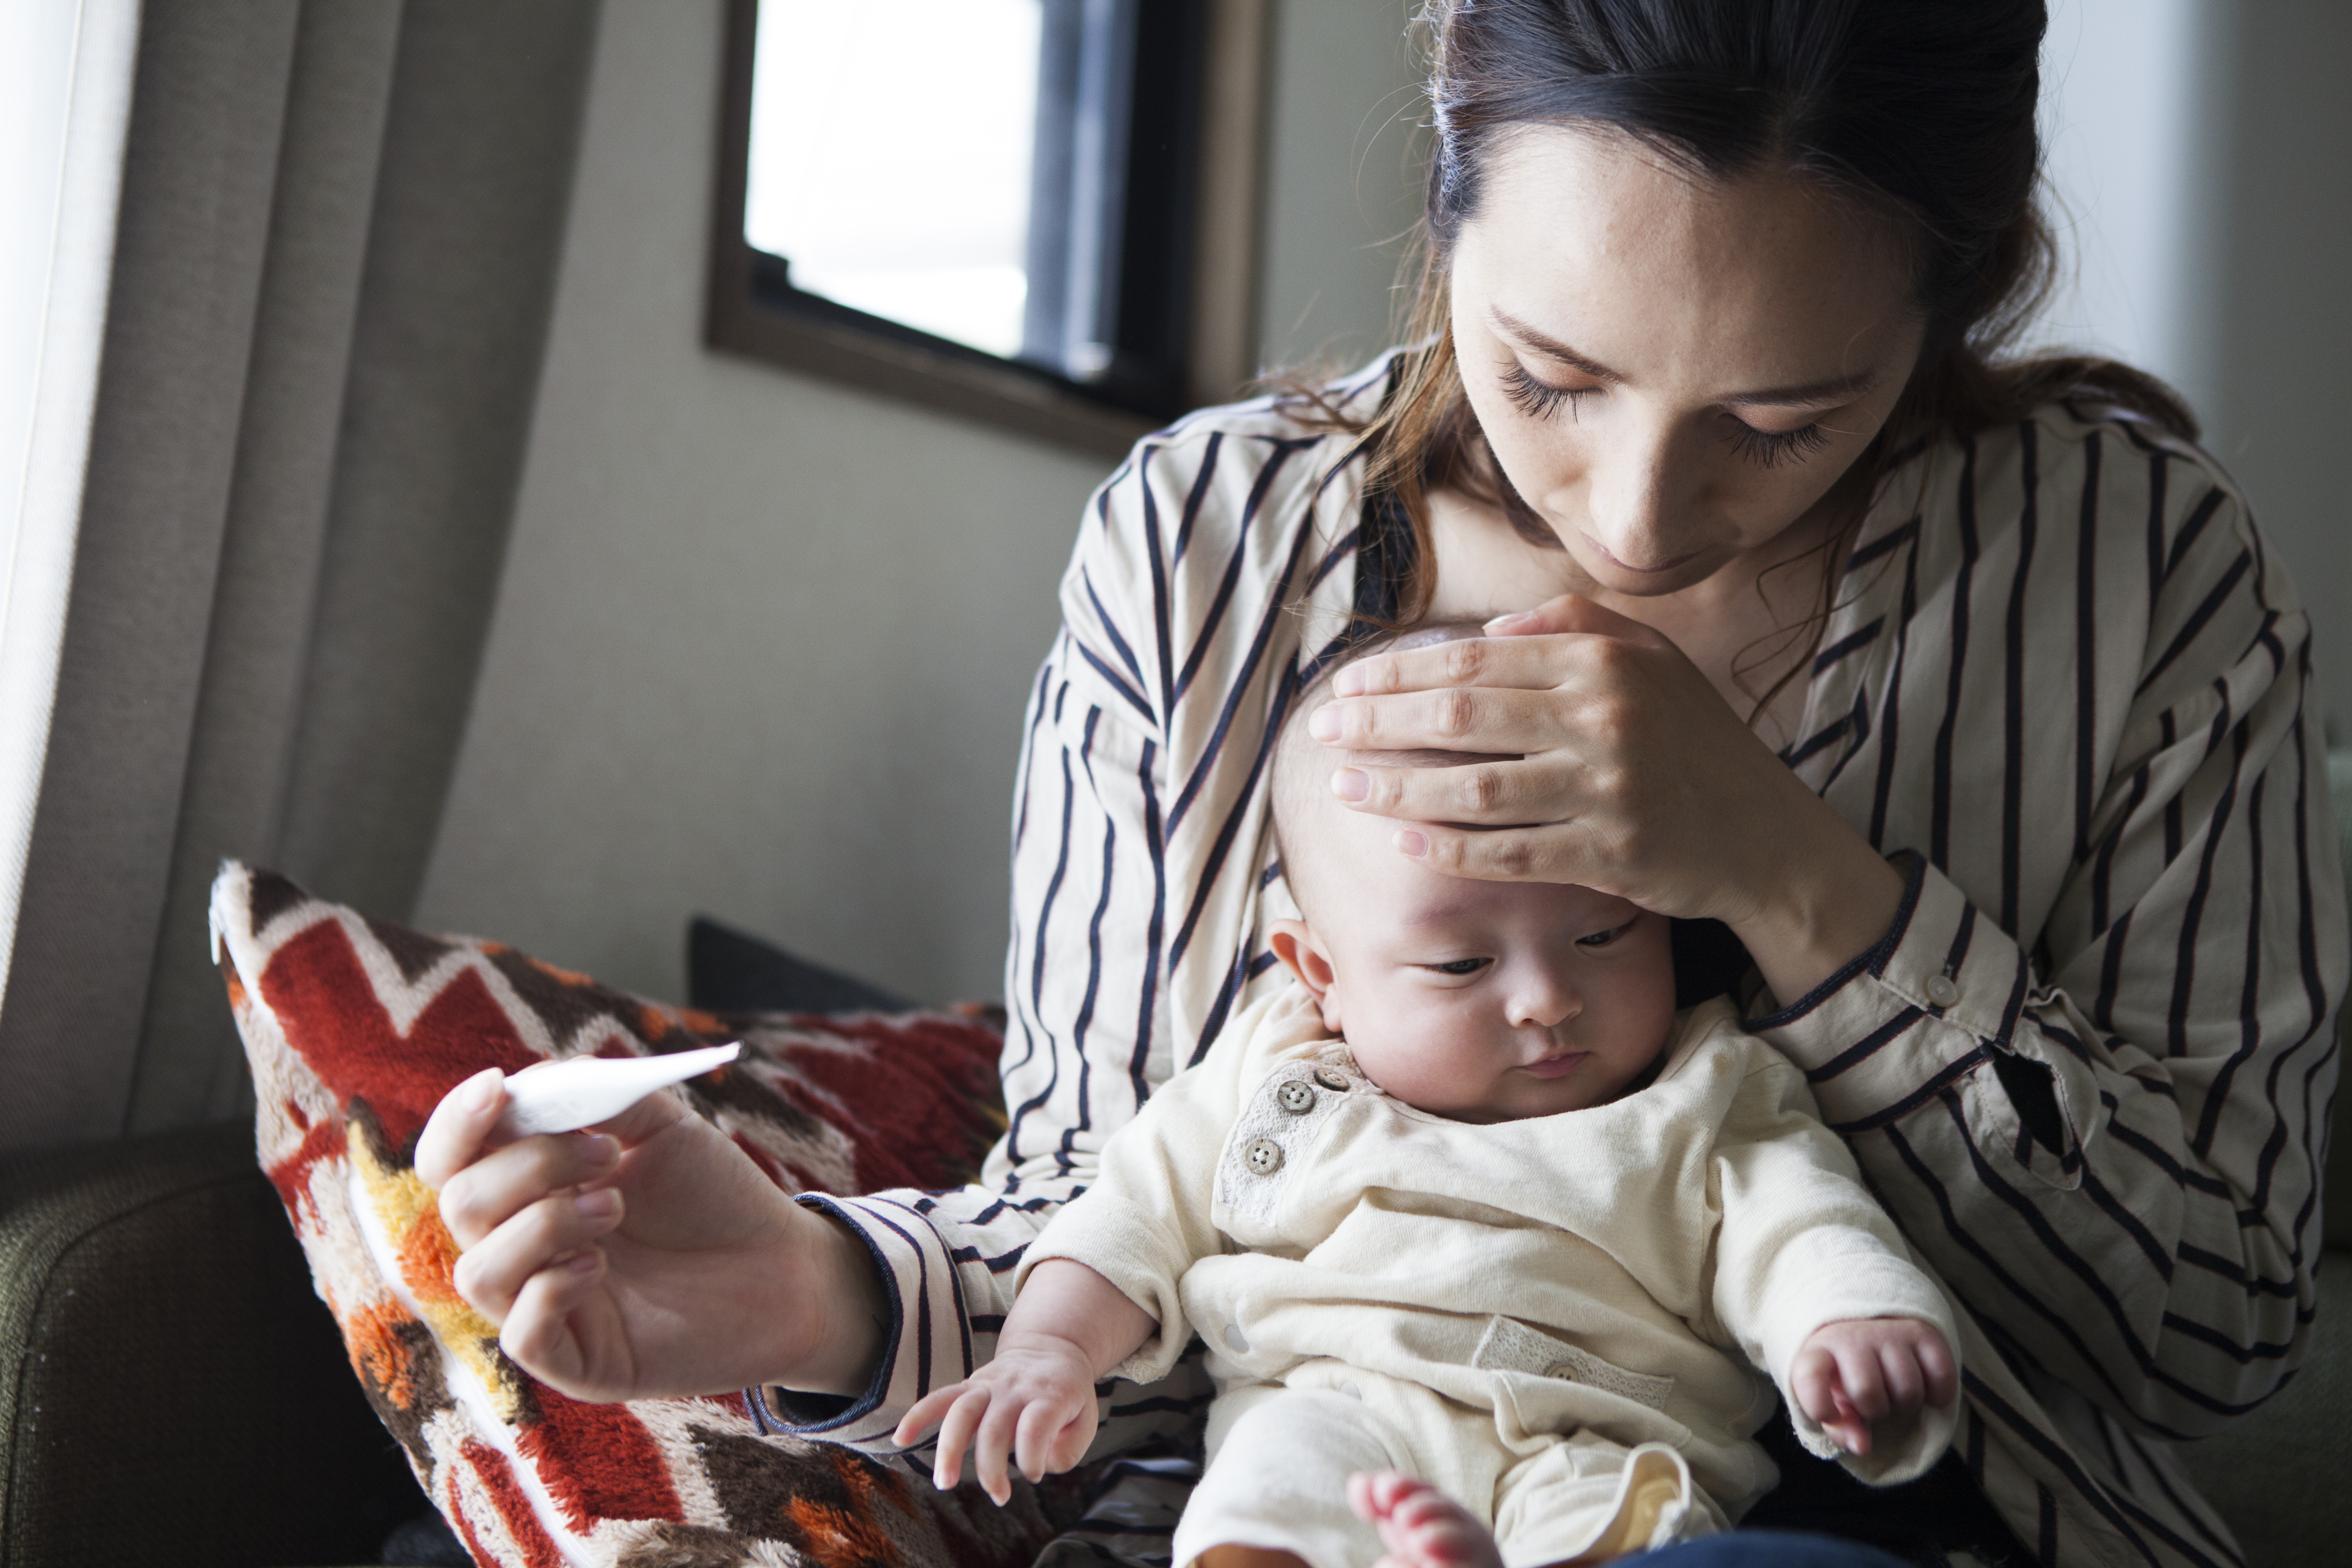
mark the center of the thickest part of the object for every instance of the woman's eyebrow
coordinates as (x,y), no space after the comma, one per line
(1828,392)
(1550,348)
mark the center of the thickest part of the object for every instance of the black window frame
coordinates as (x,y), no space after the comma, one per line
(1183,280)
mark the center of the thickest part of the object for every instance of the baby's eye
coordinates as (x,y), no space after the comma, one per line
(1602,938)
(1461,966)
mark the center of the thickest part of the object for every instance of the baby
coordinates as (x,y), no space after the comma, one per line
(1485,1241)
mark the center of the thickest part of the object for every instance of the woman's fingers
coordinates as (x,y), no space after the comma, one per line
(1559,852)
(1449,719)
(493,1272)
(537,1332)
(454,1132)
(484,1196)
(1501,792)
(1467,661)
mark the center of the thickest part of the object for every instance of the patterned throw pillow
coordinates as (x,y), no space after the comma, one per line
(356,1029)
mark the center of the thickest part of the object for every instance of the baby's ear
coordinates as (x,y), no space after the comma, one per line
(1294,942)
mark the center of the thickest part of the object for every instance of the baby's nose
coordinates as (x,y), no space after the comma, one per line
(1545,1002)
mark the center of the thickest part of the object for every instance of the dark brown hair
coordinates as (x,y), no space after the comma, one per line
(1921,112)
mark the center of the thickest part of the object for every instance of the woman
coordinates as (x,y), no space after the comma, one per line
(1965,695)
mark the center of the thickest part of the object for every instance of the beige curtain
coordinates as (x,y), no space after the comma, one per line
(332,270)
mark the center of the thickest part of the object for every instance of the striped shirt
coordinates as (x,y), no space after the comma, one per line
(2087,1071)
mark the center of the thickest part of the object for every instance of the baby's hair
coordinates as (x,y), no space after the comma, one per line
(1297,786)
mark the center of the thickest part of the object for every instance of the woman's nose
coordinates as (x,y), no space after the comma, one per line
(1635,494)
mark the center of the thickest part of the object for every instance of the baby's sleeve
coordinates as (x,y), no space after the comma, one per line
(1147,1217)
(1802,1245)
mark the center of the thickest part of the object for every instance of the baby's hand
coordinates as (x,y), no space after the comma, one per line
(1848,1375)
(1036,1400)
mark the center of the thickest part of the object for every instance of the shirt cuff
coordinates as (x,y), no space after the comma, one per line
(1932,1002)
(927,1337)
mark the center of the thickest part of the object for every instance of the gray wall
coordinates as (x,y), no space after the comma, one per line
(763,642)
(2280,310)
(2197,150)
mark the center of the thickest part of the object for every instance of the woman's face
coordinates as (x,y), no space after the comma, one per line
(1671,370)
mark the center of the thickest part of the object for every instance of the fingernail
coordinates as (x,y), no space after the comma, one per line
(1504,626)
(483,1088)
(1412,843)
(601,1203)
(600,1150)
(1324,722)
(583,1264)
(1352,784)
(1349,682)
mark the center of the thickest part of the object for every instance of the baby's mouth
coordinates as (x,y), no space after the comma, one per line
(1559,1066)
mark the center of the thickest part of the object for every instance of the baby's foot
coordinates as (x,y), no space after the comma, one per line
(1420,1526)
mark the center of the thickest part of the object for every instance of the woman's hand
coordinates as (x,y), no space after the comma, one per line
(1852,1376)
(646,1257)
(1623,769)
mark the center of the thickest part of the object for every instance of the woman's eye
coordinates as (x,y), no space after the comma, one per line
(1462,966)
(1769,449)
(1539,399)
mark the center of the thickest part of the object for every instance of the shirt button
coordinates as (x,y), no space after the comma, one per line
(1264,1156)
(1941,990)
(1332,1080)
(1236,1340)
(1296,1096)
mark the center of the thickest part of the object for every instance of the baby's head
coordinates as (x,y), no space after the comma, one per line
(1479,1001)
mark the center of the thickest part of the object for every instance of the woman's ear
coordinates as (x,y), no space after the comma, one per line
(1294,942)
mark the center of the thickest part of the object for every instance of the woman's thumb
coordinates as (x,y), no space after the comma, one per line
(1569,613)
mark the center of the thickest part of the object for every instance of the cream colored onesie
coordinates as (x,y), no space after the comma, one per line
(1546,1319)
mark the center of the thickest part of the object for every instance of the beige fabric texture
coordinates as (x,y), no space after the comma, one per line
(1281,1457)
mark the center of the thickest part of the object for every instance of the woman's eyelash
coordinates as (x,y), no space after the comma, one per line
(1461,966)
(1539,399)
(1769,449)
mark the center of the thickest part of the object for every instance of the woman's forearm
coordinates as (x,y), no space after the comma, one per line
(1825,898)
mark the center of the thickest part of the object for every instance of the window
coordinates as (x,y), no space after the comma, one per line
(1037,213)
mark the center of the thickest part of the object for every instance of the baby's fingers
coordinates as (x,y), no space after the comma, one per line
(992,1446)
(1813,1379)
(1053,1435)
(925,1413)
(1943,1378)
(1898,1366)
(956,1429)
(1861,1381)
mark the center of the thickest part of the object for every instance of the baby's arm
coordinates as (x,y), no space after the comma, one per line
(1856,1372)
(1069,1326)
(1814,1282)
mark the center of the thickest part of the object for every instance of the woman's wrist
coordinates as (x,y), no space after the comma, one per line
(832,1308)
(1830,897)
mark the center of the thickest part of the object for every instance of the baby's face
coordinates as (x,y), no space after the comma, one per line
(1479,1001)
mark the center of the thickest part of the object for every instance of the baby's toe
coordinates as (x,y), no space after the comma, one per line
(1420,1526)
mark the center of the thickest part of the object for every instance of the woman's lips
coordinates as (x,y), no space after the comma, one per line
(1666,565)
(1557,1067)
